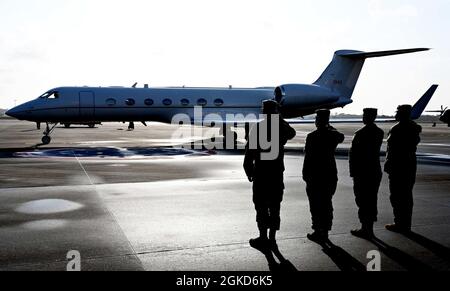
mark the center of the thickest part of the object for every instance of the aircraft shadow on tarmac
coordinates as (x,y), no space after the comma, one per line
(101,152)
(61,127)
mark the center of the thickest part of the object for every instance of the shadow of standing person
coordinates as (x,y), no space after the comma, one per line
(283,265)
(343,260)
(405,260)
(440,250)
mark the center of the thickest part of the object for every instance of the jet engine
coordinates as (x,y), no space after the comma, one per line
(304,96)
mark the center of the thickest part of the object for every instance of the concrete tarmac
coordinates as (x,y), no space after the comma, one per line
(130,201)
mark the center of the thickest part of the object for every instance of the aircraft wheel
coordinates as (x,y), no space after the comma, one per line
(46,139)
(92,125)
(67,125)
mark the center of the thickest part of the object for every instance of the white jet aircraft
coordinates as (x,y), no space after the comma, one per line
(85,105)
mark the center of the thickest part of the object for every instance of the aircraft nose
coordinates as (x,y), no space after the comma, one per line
(11,113)
(16,112)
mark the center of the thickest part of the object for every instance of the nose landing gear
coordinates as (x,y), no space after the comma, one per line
(46,139)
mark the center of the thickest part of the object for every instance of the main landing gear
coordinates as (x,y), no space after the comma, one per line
(46,139)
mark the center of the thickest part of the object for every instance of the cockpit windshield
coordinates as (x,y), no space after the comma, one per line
(50,95)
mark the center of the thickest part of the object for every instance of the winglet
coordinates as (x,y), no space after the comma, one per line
(419,107)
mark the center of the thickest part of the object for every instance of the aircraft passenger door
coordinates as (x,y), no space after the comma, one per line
(87,106)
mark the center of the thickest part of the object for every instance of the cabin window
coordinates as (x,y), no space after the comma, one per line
(218,102)
(185,102)
(149,102)
(111,101)
(130,102)
(167,102)
(50,95)
(202,102)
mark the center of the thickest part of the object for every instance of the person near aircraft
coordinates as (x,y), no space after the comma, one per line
(365,169)
(267,175)
(320,174)
(401,166)
(131,126)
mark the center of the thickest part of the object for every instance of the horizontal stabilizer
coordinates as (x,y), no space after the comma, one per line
(364,55)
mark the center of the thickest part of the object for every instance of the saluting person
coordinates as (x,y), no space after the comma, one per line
(320,174)
(365,169)
(267,174)
(401,165)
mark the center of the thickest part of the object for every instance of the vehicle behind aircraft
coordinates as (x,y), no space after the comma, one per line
(444,115)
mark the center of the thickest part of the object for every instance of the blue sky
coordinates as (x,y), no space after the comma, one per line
(245,43)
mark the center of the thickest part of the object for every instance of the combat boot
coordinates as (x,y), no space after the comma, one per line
(318,236)
(260,243)
(366,231)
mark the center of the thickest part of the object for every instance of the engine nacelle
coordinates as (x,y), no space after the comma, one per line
(299,95)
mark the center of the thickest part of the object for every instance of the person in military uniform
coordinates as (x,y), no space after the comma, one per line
(267,176)
(320,174)
(401,166)
(365,169)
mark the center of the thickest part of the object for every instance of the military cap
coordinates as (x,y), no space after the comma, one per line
(404,108)
(371,111)
(370,114)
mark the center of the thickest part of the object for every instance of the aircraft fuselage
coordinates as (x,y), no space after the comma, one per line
(99,104)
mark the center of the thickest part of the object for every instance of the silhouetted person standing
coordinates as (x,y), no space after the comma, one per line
(365,169)
(401,165)
(267,175)
(320,174)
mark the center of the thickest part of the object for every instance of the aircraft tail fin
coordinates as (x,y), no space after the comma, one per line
(343,72)
(419,107)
